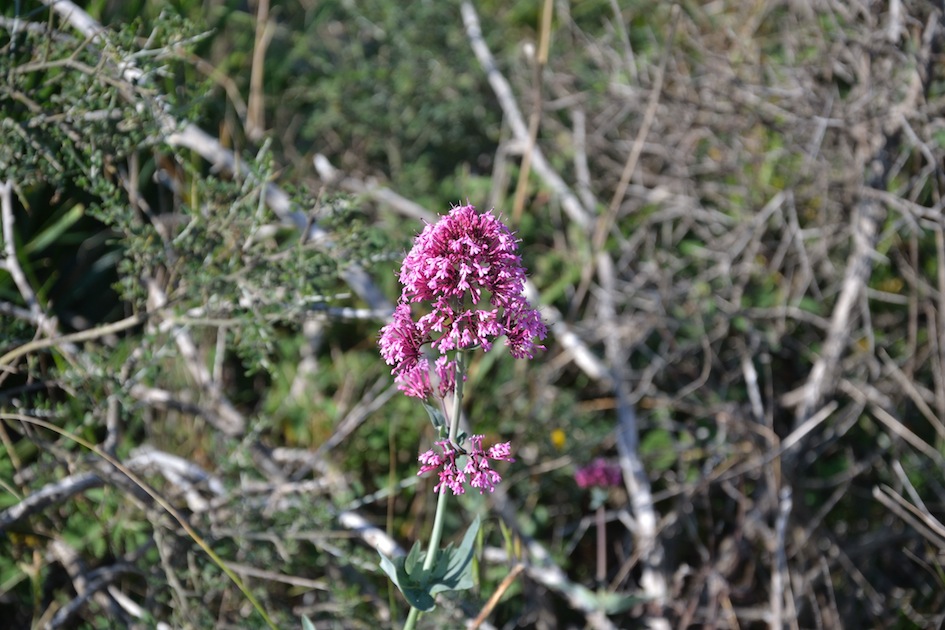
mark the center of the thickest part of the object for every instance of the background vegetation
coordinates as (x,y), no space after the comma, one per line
(732,217)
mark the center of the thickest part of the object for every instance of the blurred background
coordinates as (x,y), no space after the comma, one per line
(731,217)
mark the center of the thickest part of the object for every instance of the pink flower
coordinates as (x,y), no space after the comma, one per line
(463,254)
(401,346)
(466,269)
(600,474)
(400,340)
(477,471)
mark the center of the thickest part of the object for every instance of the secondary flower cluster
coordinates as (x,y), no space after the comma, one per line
(477,470)
(598,474)
(466,269)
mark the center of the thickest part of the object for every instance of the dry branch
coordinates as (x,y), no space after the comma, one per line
(50,494)
(571,204)
(186,135)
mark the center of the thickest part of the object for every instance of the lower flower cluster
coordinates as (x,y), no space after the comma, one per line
(477,471)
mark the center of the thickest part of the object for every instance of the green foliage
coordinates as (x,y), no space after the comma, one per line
(104,206)
(452,570)
(758,102)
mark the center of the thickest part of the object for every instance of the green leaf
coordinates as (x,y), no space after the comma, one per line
(307,623)
(407,573)
(437,418)
(413,558)
(451,572)
(51,233)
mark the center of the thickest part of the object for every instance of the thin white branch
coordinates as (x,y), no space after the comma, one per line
(228,419)
(188,136)
(50,494)
(12,264)
(373,536)
(645,523)
(569,201)
(581,169)
(780,579)
(822,377)
(184,474)
(379,193)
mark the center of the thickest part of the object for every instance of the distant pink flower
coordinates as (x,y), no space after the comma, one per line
(477,471)
(600,474)
(466,269)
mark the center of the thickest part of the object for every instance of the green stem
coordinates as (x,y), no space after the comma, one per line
(457,399)
(601,546)
(412,618)
(437,534)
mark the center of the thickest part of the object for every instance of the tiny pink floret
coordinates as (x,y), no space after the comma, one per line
(477,471)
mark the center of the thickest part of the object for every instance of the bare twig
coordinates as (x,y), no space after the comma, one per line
(228,419)
(85,588)
(644,519)
(255,123)
(12,263)
(540,59)
(921,520)
(497,595)
(66,340)
(51,494)
(939,326)
(571,204)
(780,579)
(865,231)
(380,194)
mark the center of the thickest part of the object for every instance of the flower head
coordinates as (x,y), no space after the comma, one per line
(477,471)
(598,474)
(466,269)
(463,254)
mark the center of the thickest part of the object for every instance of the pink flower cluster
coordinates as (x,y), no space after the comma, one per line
(600,474)
(466,269)
(477,471)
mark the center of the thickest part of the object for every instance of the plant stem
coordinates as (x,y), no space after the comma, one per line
(601,546)
(412,618)
(437,532)
(457,399)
